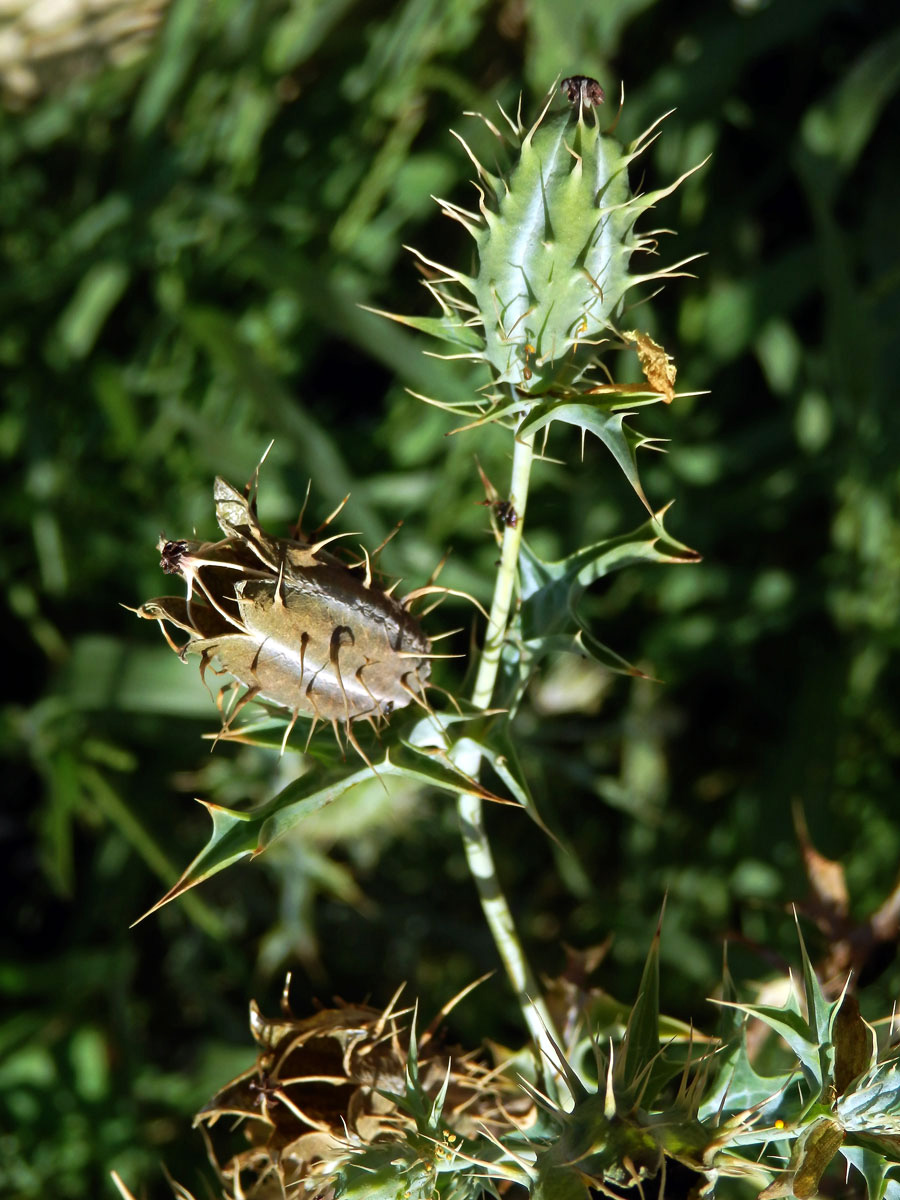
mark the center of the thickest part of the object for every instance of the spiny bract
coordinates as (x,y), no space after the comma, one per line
(291,622)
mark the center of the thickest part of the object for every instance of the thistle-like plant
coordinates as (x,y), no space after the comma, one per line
(353,1102)
(555,236)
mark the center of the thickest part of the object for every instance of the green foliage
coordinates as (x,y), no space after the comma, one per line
(419,758)
(547,620)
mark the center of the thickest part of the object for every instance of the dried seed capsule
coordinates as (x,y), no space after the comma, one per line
(291,622)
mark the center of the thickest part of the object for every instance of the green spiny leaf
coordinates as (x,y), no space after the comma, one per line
(548,621)
(238,835)
(738,1085)
(507,766)
(796,1031)
(873,1106)
(445,328)
(873,1167)
(609,427)
(820,1013)
(642,1033)
(594,1149)
(385,1172)
(550,589)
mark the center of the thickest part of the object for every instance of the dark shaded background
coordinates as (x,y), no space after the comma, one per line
(186,241)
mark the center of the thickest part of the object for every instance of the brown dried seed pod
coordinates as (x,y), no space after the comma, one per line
(291,622)
(324,1088)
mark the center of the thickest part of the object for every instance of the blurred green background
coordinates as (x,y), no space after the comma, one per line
(186,239)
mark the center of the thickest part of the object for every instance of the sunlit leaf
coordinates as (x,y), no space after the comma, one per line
(447,329)
(238,835)
(548,620)
(621,441)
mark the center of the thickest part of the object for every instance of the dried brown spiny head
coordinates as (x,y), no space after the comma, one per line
(291,622)
(328,1088)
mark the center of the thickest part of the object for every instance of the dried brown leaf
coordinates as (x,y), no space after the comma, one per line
(658,368)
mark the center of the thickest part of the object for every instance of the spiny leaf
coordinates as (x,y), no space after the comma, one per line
(238,835)
(819,1012)
(871,1165)
(493,746)
(412,1056)
(434,729)
(446,329)
(796,1031)
(548,589)
(602,653)
(390,1172)
(873,1106)
(650,542)
(595,1148)
(507,767)
(548,621)
(609,427)
(519,660)
(738,1086)
(642,1032)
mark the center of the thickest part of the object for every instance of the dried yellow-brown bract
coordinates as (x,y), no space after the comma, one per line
(658,367)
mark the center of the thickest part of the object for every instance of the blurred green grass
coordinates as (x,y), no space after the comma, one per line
(186,243)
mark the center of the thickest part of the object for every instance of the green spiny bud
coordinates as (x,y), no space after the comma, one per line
(555,238)
(553,257)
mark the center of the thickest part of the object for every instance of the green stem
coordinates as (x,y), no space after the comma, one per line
(471,817)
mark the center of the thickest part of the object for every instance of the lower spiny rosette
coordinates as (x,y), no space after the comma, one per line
(332,1100)
(292,623)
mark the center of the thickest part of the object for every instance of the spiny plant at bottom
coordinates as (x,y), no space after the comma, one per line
(353,1102)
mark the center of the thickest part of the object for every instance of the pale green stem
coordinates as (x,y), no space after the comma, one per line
(478,849)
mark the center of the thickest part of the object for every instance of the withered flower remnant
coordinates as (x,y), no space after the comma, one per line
(329,1098)
(583,90)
